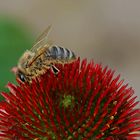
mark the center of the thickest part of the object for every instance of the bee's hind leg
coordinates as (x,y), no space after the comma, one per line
(54,69)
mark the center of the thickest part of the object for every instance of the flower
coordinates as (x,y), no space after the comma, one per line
(84,101)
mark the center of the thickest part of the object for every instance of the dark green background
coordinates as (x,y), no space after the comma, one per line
(15,38)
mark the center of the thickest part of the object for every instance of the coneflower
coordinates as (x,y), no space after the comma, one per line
(84,101)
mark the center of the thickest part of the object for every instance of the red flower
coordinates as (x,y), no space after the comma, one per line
(83,102)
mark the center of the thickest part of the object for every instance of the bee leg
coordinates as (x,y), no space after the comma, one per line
(54,69)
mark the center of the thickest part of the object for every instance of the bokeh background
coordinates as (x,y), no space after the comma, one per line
(107,31)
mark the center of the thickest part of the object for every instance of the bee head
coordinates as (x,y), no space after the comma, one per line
(21,69)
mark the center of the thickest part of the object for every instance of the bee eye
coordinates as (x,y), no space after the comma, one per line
(22,77)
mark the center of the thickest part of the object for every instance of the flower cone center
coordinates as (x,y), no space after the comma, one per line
(67,101)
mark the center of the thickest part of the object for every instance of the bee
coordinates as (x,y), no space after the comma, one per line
(41,57)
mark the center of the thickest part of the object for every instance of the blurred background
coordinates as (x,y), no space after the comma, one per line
(106,31)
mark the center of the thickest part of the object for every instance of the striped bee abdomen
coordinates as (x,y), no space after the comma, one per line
(57,52)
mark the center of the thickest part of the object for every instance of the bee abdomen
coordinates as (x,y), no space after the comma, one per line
(57,52)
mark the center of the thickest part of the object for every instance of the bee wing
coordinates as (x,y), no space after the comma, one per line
(42,40)
(40,46)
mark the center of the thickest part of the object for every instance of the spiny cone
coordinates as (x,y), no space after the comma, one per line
(82,102)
